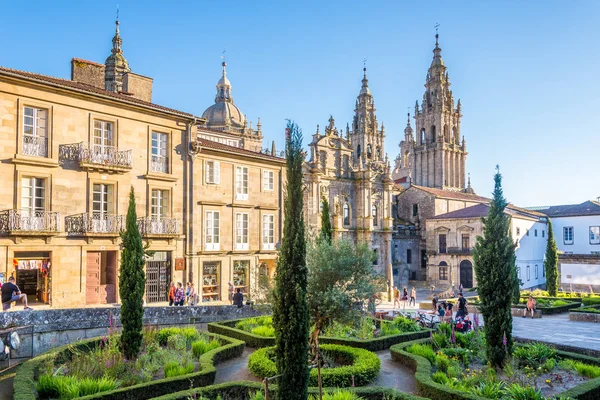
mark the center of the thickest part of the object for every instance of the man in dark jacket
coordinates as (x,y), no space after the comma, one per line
(10,293)
(238,298)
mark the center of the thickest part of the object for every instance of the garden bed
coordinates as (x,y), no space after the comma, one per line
(71,368)
(254,333)
(244,390)
(547,305)
(440,375)
(349,366)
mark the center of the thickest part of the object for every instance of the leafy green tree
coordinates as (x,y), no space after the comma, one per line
(340,276)
(290,313)
(494,259)
(326,229)
(551,263)
(132,281)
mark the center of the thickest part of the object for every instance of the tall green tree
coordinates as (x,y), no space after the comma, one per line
(290,312)
(326,233)
(551,263)
(494,259)
(132,281)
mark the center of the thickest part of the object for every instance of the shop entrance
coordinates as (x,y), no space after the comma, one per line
(158,276)
(101,277)
(33,275)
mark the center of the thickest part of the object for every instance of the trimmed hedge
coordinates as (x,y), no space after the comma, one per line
(228,328)
(364,366)
(586,309)
(571,302)
(589,390)
(28,373)
(242,390)
(590,301)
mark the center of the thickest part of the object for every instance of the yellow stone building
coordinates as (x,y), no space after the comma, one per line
(71,151)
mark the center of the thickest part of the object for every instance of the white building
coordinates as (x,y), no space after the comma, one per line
(576,230)
(452,236)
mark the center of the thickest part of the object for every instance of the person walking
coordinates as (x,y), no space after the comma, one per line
(187,293)
(10,293)
(231,291)
(179,295)
(193,297)
(396,297)
(171,296)
(238,298)
(404,297)
(462,306)
(413,297)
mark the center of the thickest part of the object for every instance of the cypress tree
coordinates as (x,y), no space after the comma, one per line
(494,259)
(326,229)
(132,281)
(290,311)
(551,263)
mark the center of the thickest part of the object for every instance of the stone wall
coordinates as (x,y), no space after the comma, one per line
(87,72)
(46,329)
(140,86)
(584,317)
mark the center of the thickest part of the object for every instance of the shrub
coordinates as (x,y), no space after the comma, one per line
(489,389)
(442,362)
(534,354)
(518,392)
(588,301)
(200,347)
(163,335)
(266,331)
(458,354)
(440,377)
(587,370)
(250,323)
(70,387)
(422,350)
(173,368)
(364,366)
(440,340)
(339,395)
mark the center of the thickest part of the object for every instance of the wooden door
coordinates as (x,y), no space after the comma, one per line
(466,274)
(92,286)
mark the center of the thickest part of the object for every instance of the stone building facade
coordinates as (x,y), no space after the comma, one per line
(351,170)
(74,148)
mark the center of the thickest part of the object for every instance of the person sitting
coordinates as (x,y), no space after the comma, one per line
(441,310)
(448,312)
(238,298)
(10,293)
(530,306)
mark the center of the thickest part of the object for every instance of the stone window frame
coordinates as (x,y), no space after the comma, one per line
(264,187)
(20,124)
(170,135)
(241,246)
(443,271)
(24,173)
(239,194)
(100,181)
(346,221)
(216,172)
(264,245)
(214,245)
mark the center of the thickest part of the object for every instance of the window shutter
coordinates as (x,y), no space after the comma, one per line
(216,172)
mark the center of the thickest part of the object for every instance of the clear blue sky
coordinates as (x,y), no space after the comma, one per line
(526,72)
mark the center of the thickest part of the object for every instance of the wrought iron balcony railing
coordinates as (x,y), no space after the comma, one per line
(91,223)
(100,156)
(160,226)
(29,221)
(159,164)
(35,146)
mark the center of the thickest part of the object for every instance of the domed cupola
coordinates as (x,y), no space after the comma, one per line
(224,114)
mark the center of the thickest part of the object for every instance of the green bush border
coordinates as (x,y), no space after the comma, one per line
(28,373)
(364,369)
(241,390)
(571,303)
(426,387)
(227,328)
(583,309)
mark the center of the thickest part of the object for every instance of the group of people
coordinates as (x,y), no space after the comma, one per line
(402,300)
(180,297)
(444,308)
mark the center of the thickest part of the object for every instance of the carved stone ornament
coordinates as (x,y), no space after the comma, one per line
(324,190)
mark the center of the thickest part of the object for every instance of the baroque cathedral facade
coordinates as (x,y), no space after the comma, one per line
(351,170)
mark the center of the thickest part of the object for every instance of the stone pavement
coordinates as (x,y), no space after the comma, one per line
(558,329)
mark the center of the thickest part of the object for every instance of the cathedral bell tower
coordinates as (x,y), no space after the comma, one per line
(439,151)
(367,140)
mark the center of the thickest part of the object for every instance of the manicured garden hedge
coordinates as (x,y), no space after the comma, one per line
(228,328)
(571,303)
(242,390)
(589,390)
(590,301)
(363,366)
(27,374)
(586,309)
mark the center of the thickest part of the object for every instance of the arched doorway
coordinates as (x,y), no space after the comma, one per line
(466,274)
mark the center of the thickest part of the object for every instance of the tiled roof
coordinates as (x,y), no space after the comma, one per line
(68,84)
(570,210)
(231,149)
(447,194)
(481,210)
